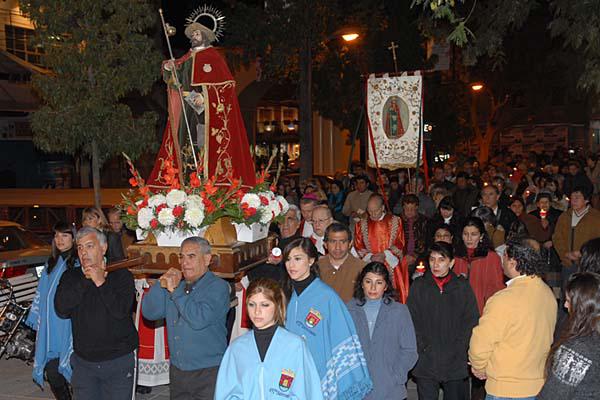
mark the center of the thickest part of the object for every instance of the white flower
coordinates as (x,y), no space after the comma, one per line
(194,201)
(266,216)
(194,217)
(145,215)
(156,200)
(284,205)
(165,216)
(269,195)
(252,200)
(176,197)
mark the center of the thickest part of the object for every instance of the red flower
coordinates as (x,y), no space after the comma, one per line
(249,211)
(131,211)
(154,223)
(239,194)
(133,182)
(160,207)
(264,201)
(209,206)
(144,190)
(178,211)
(194,181)
(210,188)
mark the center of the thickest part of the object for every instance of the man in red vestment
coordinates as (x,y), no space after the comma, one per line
(380,238)
(213,115)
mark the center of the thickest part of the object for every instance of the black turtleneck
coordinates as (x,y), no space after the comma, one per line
(299,286)
(263,339)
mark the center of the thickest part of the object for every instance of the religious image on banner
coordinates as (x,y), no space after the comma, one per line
(394,118)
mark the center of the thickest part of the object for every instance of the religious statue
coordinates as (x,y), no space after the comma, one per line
(394,118)
(203,113)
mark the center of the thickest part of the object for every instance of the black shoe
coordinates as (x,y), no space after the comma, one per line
(143,389)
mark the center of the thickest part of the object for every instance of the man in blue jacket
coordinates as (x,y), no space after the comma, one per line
(194,303)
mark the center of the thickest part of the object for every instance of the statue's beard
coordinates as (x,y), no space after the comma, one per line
(197,43)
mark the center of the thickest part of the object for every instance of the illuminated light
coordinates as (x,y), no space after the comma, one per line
(349,37)
(515,168)
(36,206)
(477,87)
(485,183)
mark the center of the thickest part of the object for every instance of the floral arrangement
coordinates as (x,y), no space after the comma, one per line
(197,203)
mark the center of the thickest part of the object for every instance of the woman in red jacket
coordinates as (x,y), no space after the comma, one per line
(478,262)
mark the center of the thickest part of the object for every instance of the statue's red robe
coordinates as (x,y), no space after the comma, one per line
(226,150)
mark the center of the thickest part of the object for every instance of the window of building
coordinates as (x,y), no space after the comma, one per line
(21,43)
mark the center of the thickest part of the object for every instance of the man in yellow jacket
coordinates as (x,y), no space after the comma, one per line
(510,345)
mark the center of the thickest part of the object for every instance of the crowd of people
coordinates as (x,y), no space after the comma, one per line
(479,282)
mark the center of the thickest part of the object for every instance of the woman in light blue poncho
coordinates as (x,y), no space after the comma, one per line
(319,315)
(54,342)
(269,362)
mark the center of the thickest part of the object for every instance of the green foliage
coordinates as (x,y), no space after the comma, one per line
(276,30)
(481,28)
(98,53)
(578,22)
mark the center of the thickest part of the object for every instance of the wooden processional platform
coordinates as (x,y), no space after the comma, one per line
(230,260)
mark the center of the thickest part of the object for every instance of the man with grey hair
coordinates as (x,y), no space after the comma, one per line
(194,302)
(99,305)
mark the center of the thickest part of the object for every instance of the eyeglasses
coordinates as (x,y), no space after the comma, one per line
(443,235)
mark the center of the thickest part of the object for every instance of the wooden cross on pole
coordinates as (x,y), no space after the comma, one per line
(393,47)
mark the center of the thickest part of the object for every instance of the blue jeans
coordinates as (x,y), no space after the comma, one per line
(490,397)
(111,379)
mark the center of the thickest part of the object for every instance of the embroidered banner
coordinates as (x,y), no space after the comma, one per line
(394,120)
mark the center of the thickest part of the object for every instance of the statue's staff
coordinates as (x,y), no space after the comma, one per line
(178,85)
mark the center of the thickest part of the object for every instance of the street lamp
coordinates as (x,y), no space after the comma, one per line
(349,37)
(477,86)
(305,96)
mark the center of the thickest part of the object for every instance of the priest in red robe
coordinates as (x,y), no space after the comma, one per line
(380,237)
(214,121)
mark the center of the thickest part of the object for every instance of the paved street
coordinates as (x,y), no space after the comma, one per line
(16,384)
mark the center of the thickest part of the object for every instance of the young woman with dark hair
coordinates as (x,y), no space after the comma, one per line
(53,346)
(385,330)
(478,262)
(573,366)
(269,360)
(590,256)
(446,214)
(444,312)
(318,314)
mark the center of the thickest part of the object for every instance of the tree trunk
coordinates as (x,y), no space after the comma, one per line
(305,110)
(96,175)
(486,143)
